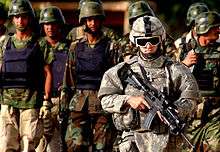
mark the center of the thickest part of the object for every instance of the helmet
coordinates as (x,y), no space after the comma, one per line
(147,26)
(138,9)
(51,14)
(3,14)
(205,21)
(90,9)
(193,11)
(20,7)
(82,2)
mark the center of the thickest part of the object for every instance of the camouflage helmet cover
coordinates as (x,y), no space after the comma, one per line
(51,14)
(138,9)
(147,26)
(205,21)
(82,2)
(194,10)
(18,7)
(90,9)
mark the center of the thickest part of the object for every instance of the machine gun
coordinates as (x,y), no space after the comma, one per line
(158,103)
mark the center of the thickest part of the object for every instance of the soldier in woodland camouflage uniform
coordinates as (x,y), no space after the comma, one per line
(54,42)
(25,80)
(125,47)
(205,128)
(127,103)
(194,10)
(78,32)
(89,128)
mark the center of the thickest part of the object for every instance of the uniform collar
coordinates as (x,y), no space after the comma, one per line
(156,63)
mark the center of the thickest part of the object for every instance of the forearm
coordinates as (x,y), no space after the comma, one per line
(48,82)
(114,103)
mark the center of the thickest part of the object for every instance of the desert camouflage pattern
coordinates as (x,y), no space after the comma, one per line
(28,128)
(183,93)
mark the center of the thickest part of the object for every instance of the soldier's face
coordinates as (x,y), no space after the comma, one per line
(149,49)
(51,29)
(148,45)
(93,23)
(21,21)
(211,36)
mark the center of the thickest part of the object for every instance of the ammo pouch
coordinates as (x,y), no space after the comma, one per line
(86,101)
(132,120)
(126,121)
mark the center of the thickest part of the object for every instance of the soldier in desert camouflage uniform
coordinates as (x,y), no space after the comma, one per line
(25,80)
(127,103)
(78,32)
(89,128)
(126,49)
(54,42)
(205,65)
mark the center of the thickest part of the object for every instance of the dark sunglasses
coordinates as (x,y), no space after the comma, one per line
(142,41)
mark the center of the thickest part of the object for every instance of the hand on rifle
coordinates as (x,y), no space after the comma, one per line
(139,103)
(190,59)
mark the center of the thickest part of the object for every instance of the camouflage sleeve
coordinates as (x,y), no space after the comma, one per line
(68,87)
(185,83)
(111,91)
(47,52)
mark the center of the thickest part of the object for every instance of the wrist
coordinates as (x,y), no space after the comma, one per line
(47,103)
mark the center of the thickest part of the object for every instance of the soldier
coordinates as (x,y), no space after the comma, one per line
(78,32)
(54,41)
(125,47)
(3,18)
(89,128)
(194,10)
(26,83)
(205,128)
(127,103)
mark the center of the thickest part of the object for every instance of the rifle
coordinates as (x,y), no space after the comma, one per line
(158,103)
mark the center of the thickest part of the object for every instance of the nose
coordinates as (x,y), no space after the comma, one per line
(148,45)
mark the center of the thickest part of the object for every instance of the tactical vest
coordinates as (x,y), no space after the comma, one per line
(91,63)
(58,68)
(20,66)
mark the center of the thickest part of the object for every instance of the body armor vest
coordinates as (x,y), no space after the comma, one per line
(58,68)
(91,63)
(20,66)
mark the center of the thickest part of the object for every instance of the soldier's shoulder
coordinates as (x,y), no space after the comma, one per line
(110,33)
(76,33)
(4,40)
(42,41)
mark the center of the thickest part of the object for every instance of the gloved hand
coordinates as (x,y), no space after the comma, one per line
(45,110)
